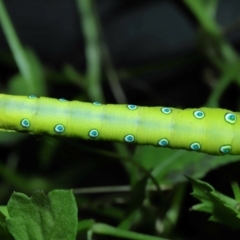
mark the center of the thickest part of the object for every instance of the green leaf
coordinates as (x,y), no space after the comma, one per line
(4,211)
(84,225)
(222,208)
(41,217)
(18,84)
(236,191)
(169,166)
(4,233)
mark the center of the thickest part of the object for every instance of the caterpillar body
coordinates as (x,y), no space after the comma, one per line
(209,130)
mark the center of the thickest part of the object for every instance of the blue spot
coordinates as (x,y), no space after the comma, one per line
(97,103)
(25,123)
(225,149)
(93,133)
(199,114)
(32,96)
(129,138)
(163,142)
(230,118)
(132,107)
(195,146)
(166,110)
(62,100)
(59,128)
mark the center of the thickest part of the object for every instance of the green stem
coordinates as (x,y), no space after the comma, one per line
(92,48)
(16,47)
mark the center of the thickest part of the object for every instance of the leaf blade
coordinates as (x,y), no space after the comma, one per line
(43,217)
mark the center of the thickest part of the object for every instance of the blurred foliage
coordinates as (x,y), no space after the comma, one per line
(137,188)
(222,208)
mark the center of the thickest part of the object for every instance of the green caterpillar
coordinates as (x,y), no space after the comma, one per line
(213,131)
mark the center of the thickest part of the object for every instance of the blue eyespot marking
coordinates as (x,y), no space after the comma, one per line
(132,107)
(129,138)
(163,142)
(195,146)
(62,100)
(199,114)
(59,128)
(225,149)
(93,133)
(25,123)
(97,103)
(166,110)
(230,118)
(32,96)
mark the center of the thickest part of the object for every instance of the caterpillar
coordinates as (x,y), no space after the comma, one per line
(210,130)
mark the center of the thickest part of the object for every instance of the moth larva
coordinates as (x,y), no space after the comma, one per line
(213,131)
